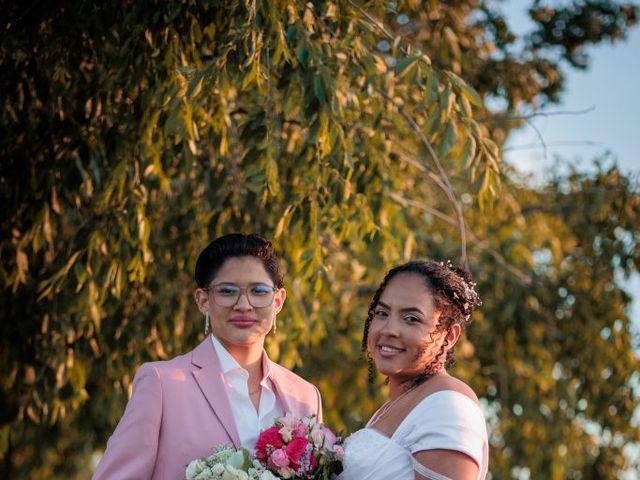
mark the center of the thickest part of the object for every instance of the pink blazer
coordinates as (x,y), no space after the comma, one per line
(179,411)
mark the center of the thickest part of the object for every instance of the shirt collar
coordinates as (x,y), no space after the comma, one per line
(228,363)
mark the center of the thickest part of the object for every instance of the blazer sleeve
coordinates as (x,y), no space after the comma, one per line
(132,449)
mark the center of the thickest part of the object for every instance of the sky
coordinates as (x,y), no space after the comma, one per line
(610,90)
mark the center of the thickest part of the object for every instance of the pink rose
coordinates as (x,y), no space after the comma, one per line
(299,453)
(339,451)
(329,438)
(300,431)
(268,440)
(279,459)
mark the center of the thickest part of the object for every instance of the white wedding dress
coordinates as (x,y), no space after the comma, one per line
(443,420)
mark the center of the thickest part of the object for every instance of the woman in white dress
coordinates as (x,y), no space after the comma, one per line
(432,427)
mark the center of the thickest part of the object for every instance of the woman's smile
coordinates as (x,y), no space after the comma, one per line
(387,351)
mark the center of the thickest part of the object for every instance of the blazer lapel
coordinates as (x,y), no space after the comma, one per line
(283,390)
(208,376)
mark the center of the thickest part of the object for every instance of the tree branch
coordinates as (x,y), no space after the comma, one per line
(540,137)
(443,180)
(506,117)
(376,23)
(520,275)
(553,144)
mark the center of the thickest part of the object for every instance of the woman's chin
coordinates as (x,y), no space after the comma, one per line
(386,370)
(397,374)
(242,339)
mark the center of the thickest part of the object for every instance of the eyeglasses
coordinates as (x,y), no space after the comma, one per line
(259,295)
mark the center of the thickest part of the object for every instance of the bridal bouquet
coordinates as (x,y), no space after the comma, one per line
(293,448)
(227,463)
(300,448)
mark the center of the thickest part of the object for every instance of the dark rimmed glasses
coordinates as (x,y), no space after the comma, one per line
(259,295)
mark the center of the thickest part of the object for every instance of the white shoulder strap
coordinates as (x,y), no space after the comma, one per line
(427,472)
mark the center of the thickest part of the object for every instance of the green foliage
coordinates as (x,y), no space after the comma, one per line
(552,351)
(134,133)
(581,23)
(557,355)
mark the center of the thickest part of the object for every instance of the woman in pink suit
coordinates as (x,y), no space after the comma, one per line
(226,389)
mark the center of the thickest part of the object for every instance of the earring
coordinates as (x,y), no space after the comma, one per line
(206,323)
(275,325)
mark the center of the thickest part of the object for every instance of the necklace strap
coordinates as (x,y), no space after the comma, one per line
(386,407)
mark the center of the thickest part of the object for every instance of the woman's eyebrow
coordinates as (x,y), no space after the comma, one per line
(403,310)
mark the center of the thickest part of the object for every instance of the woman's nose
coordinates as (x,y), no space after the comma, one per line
(243,302)
(389,328)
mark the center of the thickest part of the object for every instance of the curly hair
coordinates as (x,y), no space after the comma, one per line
(454,296)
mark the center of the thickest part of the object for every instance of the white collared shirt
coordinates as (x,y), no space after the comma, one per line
(248,421)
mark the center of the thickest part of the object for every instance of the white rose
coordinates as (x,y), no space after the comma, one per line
(317,436)
(254,473)
(206,474)
(267,475)
(223,456)
(194,468)
(217,469)
(231,473)
(286,434)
